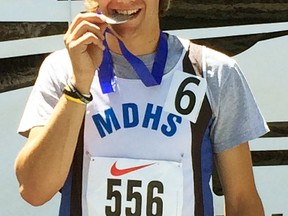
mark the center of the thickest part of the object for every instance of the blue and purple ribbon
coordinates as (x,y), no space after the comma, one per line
(106,71)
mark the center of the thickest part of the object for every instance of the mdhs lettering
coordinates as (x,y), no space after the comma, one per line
(152,119)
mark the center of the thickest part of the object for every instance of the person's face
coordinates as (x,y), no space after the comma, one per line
(145,17)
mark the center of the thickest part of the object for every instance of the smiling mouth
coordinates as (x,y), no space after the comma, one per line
(127,12)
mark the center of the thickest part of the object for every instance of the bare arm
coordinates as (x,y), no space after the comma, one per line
(43,164)
(235,171)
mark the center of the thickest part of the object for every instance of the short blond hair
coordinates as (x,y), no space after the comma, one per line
(91,5)
(164,5)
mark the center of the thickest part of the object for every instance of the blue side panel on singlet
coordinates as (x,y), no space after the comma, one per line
(206,170)
(66,197)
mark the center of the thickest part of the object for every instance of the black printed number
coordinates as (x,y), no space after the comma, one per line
(154,200)
(182,92)
(111,193)
(134,195)
(154,205)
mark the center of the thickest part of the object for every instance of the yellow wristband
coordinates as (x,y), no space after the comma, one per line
(76,100)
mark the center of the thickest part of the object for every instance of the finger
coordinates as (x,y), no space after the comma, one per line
(81,44)
(89,17)
(84,28)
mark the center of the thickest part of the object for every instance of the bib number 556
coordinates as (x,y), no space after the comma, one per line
(154,203)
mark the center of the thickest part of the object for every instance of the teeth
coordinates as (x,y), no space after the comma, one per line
(126,12)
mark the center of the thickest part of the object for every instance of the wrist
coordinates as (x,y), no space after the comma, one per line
(73,94)
(82,86)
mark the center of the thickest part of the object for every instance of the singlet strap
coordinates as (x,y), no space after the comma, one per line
(192,63)
(77,170)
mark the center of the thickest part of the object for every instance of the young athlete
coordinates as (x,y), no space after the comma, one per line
(127,120)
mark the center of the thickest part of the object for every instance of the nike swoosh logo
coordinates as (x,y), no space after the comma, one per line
(119,172)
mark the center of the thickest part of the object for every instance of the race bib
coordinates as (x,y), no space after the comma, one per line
(127,187)
(185,96)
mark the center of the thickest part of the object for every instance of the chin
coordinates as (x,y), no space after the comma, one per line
(125,32)
(130,29)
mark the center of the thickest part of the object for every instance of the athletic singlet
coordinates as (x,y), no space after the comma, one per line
(131,126)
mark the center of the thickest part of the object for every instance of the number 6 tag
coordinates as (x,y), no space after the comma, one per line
(185,96)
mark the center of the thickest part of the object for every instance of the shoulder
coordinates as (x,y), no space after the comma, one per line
(56,67)
(217,58)
(59,57)
(219,69)
(218,65)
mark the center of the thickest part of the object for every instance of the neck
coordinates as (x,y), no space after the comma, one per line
(140,44)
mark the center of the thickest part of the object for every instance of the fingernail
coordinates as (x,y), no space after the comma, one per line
(102,47)
(99,12)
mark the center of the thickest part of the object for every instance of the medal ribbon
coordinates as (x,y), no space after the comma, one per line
(106,74)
